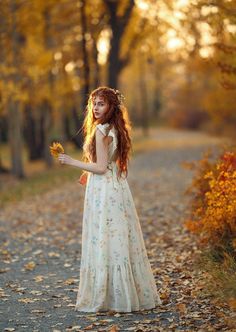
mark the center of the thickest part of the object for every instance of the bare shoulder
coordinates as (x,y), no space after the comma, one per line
(100,137)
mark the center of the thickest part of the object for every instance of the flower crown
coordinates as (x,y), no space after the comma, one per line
(119,95)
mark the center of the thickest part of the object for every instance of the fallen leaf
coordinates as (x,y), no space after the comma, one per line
(30,266)
(114,328)
(181,307)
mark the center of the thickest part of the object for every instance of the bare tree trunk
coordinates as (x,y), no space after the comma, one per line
(33,133)
(2,168)
(3,138)
(47,110)
(15,138)
(143,96)
(61,124)
(14,111)
(67,125)
(46,113)
(86,68)
(118,25)
(3,119)
(96,75)
(114,66)
(79,118)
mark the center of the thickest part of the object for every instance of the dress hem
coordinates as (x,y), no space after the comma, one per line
(118,310)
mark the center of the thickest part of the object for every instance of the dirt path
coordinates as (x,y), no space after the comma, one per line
(41,243)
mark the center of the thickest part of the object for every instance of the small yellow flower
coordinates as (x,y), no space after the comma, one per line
(55,149)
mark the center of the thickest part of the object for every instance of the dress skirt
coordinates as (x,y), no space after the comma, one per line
(115,273)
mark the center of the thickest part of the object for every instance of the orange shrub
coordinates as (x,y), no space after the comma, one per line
(213,215)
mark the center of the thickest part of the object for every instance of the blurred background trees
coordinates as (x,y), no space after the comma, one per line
(175,62)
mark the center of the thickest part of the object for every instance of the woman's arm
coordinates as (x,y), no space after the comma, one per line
(100,166)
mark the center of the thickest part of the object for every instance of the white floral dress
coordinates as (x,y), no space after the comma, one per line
(115,273)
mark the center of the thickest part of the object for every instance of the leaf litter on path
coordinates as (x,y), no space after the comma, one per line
(41,248)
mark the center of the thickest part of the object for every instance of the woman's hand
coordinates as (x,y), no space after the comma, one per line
(65,159)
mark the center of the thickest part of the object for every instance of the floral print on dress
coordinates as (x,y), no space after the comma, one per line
(115,273)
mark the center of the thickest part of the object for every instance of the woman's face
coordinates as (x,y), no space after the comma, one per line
(100,107)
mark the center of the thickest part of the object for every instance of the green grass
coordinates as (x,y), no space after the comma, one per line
(38,184)
(40,179)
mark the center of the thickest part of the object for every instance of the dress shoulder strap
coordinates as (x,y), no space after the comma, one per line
(104,128)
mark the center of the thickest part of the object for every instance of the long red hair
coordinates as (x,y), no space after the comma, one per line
(116,116)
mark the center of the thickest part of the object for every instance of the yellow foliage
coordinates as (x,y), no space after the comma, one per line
(214,208)
(56,148)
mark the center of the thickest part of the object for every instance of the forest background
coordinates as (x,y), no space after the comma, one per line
(175,62)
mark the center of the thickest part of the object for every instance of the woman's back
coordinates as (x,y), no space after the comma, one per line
(112,147)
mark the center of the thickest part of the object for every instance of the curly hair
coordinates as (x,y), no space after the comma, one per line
(116,116)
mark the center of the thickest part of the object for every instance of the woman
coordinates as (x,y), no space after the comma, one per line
(115,273)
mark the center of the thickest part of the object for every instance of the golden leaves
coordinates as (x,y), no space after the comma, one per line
(26,300)
(30,266)
(181,307)
(214,221)
(39,278)
(53,246)
(214,208)
(70,281)
(114,328)
(56,149)
(232,303)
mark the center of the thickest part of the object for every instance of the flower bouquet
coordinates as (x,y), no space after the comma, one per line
(56,149)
